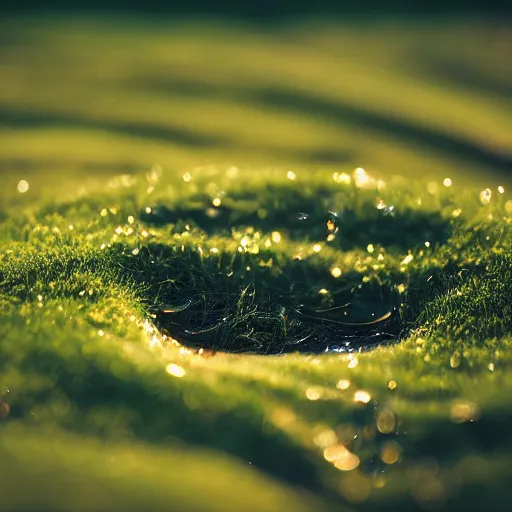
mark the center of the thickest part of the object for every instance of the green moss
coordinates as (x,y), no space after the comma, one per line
(158,349)
(78,308)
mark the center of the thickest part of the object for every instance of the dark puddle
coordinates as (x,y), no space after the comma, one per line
(230,303)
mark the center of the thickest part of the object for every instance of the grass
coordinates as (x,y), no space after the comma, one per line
(202,336)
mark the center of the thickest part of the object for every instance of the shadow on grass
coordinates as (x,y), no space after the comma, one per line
(462,75)
(445,143)
(341,112)
(302,214)
(169,133)
(19,118)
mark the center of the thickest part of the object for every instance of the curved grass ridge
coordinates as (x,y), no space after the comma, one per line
(80,353)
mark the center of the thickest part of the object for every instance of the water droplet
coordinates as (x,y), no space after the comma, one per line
(336,272)
(463,411)
(343,384)
(313,393)
(276,237)
(386,422)
(389,210)
(332,223)
(22,186)
(175,370)
(390,452)
(485,196)
(362,396)
(407,259)
(361,178)
(302,216)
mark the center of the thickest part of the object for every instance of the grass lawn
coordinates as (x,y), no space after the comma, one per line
(207,304)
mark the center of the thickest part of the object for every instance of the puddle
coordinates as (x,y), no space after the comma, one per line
(249,324)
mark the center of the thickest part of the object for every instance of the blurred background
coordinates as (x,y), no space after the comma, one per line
(272,9)
(111,87)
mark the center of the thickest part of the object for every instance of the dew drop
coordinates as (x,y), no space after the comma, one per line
(485,196)
(22,186)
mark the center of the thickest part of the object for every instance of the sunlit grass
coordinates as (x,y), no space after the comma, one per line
(82,282)
(177,224)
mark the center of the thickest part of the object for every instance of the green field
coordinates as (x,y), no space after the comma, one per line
(207,304)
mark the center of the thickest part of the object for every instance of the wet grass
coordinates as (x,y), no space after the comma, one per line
(206,336)
(82,351)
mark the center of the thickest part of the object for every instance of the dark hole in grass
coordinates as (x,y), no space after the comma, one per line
(218,304)
(233,303)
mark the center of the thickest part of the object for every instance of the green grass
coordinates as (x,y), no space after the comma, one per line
(159,350)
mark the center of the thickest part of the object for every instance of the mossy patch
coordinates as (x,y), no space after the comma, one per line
(286,333)
(99,300)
